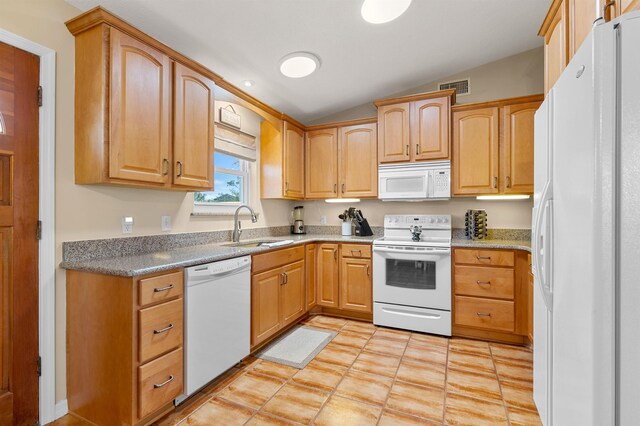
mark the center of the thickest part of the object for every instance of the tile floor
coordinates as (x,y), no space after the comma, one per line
(371,375)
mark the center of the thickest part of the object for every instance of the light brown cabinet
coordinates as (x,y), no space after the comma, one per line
(278,292)
(414,128)
(310,261)
(327,275)
(344,277)
(493,147)
(124,114)
(124,346)
(282,160)
(341,161)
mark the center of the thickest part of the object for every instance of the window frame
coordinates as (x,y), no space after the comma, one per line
(229,207)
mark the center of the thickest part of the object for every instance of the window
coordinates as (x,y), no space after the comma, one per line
(230,183)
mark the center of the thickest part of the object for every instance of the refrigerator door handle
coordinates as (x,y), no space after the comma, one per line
(541,246)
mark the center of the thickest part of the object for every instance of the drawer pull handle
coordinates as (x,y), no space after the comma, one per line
(166,382)
(159,290)
(356,251)
(483,282)
(162,330)
(367,270)
(483,314)
(483,257)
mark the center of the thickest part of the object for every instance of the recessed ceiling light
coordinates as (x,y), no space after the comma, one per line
(381,11)
(299,64)
(248,83)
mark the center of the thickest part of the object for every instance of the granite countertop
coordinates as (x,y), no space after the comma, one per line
(142,264)
(493,243)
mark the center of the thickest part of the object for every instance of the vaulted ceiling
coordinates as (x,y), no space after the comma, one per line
(245,40)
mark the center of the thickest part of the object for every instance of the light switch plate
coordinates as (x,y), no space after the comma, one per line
(127,224)
(166,223)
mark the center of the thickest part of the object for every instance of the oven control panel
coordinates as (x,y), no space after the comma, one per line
(426,221)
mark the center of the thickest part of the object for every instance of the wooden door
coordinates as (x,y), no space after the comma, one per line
(139,111)
(193,114)
(292,293)
(475,152)
(265,305)
(327,275)
(358,161)
(321,163)
(430,129)
(582,13)
(355,285)
(516,159)
(293,161)
(556,47)
(310,267)
(393,136)
(624,6)
(19,76)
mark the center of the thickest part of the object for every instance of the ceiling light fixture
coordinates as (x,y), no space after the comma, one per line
(342,200)
(382,11)
(248,83)
(299,64)
(502,197)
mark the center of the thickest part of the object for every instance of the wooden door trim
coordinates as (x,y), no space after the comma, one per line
(46,274)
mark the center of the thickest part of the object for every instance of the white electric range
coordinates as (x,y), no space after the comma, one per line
(412,274)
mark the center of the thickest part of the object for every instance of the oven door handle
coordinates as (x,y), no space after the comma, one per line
(412,251)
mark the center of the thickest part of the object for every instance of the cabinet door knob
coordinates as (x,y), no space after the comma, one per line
(606,6)
(508,181)
(417,149)
(495,181)
(367,270)
(335,254)
(166,166)
(179,163)
(407,150)
(335,188)
(343,188)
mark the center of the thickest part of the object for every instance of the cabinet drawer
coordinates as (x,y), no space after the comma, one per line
(484,282)
(160,329)
(356,250)
(484,257)
(274,259)
(159,382)
(160,288)
(484,313)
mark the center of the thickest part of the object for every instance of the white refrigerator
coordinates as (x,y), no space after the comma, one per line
(586,235)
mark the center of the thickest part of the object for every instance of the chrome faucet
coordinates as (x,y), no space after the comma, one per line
(237,229)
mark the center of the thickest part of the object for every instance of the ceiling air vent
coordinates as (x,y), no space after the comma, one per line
(462,87)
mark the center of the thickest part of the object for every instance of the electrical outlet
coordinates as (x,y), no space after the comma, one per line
(323,220)
(127,224)
(166,223)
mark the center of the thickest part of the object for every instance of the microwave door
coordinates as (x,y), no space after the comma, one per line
(403,184)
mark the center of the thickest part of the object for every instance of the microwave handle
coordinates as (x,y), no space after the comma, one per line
(430,185)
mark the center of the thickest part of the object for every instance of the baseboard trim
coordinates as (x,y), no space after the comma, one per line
(61,409)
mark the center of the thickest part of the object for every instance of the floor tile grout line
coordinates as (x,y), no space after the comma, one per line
(446,382)
(395,376)
(504,403)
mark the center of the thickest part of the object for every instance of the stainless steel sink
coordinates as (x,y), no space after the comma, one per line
(250,244)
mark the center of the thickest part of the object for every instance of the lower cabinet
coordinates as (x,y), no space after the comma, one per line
(310,268)
(278,292)
(344,277)
(490,294)
(124,346)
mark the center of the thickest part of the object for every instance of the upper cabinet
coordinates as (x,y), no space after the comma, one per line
(493,147)
(566,26)
(282,160)
(124,93)
(341,160)
(414,128)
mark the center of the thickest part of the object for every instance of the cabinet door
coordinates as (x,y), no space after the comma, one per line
(292,293)
(430,129)
(321,154)
(582,13)
(517,148)
(327,275)
(358,161)
(393,136)
(355,285)
(293,161)
(310,267)
(624,6)
(555,47)
(265,305)
(139,111)
(193,128)
(475,152)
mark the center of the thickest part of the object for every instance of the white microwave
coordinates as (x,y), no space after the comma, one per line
(415,182)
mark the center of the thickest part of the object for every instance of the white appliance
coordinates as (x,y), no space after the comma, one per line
(412,274)
(586,229)
(217,320)
(415,181)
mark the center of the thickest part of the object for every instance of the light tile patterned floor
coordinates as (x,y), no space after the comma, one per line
(370,375)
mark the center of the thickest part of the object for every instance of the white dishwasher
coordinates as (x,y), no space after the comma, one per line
(217,320)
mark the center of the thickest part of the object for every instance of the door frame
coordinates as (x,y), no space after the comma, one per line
(46,264)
